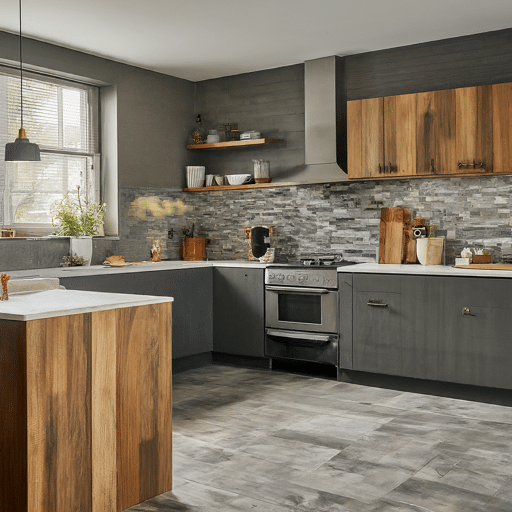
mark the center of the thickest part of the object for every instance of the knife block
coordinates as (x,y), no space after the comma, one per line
(194,249)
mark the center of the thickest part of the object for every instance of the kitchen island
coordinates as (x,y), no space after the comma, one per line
(85,400)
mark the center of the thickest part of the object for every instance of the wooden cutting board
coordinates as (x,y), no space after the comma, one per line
(488,266)
(391,235)
(409,254)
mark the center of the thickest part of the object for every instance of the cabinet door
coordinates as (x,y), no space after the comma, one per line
(474,111)
(472,348)
(400,135)
(435,132)
(365,143)
(238,311)
(377,324)
(502,127)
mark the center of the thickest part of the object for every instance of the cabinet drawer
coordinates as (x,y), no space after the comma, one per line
(376,283)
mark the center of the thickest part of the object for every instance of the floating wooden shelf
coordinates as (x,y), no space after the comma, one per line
(218,188)
(233,144)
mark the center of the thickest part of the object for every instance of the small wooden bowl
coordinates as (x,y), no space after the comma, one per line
(262,180)
(482,258)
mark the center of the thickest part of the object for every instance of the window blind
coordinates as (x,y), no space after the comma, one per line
(62,118)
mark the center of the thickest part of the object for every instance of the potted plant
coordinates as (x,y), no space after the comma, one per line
(430,249)
(80,220)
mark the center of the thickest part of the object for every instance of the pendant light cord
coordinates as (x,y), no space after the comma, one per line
(21,73)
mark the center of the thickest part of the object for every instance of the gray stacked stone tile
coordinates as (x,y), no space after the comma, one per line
(341,219)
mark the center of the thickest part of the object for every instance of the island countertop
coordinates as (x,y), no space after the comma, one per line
(24,306)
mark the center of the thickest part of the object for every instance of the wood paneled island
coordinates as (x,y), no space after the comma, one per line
(85,400)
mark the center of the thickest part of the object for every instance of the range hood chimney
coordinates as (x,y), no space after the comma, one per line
(325,109)
(325,120)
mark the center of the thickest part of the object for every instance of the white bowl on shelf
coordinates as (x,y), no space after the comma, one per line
(238,179)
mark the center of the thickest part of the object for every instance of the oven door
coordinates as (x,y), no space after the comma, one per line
(301,309)
(302,346)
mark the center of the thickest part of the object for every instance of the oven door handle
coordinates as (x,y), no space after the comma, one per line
(296,289)
(319,338)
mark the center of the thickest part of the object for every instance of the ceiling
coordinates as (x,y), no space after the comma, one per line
(201,39)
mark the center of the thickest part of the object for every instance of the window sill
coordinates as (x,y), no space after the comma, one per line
(53,237)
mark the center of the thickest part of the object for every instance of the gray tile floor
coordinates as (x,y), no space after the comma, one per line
(256,440)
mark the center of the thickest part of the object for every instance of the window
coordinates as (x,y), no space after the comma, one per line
(62,118)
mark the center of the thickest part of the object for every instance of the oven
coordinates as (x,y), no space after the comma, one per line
(301,313)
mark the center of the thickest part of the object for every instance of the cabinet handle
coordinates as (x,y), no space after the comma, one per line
(432,169)
(467,312)
(389,167)
(377,303)
(380,169)
(469,164)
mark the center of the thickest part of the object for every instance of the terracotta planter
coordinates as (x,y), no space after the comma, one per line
(194,249)
(430,250)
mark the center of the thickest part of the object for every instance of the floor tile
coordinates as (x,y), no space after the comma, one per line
(260,440)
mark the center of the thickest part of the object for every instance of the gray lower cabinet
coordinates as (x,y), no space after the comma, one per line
(469,331)
(450,329)
(377,322)
(238,311)
(192,306)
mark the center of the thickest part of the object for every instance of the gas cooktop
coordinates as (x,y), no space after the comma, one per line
(314,263)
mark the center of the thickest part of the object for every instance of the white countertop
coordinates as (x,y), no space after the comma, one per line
(135,267)
(422,270)
(434,270)
(57,302)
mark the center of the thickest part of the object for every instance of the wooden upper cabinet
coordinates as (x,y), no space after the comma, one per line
(400,135)
(365,142)
(455,131)
(502,127)
(474,130)
(435,132)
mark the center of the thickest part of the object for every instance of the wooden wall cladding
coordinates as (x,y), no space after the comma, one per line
(479,59)
(86,410)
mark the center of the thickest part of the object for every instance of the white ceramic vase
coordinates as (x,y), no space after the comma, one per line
(81,246)
(430,250)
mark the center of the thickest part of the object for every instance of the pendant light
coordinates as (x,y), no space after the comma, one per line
(21,150)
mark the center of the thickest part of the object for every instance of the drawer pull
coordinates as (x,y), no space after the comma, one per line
(467,312)
(469,164)
(377,303)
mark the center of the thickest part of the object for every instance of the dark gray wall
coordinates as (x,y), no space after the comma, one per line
(271,102)
(478,59)
(154,111)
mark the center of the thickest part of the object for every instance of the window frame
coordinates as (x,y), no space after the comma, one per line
(95,177)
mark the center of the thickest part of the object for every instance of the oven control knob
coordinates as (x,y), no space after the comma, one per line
(280,277)
(301,278)
(271,275)
(291,277)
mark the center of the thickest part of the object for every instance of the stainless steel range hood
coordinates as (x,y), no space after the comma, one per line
(325,123)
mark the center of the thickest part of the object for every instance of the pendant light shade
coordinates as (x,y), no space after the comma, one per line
(22,150)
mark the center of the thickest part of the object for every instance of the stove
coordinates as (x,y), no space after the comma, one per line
(302,310)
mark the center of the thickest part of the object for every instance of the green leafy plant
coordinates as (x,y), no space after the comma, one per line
(76,217)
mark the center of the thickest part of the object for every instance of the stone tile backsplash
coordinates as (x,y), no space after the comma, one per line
(340,219)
